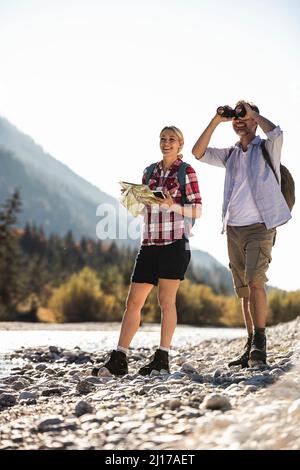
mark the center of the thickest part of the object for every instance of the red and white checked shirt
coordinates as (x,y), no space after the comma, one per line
(162,227)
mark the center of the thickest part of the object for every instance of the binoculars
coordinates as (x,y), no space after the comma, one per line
(228,112)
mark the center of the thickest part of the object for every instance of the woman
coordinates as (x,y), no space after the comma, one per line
(164,254)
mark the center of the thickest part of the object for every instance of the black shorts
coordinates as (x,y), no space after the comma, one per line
(162,262)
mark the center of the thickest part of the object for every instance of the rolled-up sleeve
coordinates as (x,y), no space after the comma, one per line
(274,145)
(216,157)
(192,190)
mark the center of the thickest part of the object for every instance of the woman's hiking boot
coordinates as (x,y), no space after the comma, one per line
(160,361)
(258,353)
(116,364)
(244,358)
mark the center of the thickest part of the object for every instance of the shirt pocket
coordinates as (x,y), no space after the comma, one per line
(153,183)
(173,186)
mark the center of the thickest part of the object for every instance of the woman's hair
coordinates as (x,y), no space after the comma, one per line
(179,135)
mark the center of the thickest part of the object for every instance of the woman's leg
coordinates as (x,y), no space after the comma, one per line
(137,295)
(167,290)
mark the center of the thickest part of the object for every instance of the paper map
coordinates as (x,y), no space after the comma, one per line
(136,196)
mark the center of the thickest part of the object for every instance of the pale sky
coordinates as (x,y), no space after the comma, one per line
(94,81)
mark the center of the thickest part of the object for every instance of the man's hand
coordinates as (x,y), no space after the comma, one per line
(264,123)
(250,113)
(219,118)
(224,119)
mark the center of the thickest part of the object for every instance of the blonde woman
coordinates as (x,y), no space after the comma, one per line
(164,254)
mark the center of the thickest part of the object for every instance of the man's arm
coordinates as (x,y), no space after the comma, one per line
(274,135)
(264,123)
(201,145)
(213,156)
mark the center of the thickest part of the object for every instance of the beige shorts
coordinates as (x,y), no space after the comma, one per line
(249,251)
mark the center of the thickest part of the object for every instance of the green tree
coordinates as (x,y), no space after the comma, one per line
(284,306)
(112,280)
(81,299)
(198,305)
(10,257)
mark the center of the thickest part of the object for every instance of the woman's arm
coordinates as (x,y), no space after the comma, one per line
(192,211)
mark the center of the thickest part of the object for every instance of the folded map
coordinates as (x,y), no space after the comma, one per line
(136,196)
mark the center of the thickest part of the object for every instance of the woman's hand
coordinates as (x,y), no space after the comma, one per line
(168,201)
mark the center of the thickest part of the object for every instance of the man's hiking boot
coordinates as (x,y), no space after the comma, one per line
(258,349)
(116,364)
(159,362)
(244,358)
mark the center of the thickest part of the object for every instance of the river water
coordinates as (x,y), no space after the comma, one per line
(101,337)
(93,337)
(106,337)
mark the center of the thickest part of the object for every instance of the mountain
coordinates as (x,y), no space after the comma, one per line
(205,269)
(55,197)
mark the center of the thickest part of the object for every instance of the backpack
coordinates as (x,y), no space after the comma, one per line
(181,178)
(287,181)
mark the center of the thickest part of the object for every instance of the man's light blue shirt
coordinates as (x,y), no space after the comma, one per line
(263,185)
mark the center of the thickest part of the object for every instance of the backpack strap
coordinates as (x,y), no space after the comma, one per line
(181,178)
(180,175)
(149,171)
(268,159)
(230,152)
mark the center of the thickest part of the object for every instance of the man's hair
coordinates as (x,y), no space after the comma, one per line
(252,105)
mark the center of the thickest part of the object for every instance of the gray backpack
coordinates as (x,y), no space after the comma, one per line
(287,181)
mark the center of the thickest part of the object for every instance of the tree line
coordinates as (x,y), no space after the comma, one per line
(57,278)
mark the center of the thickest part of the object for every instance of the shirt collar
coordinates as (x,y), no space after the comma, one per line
(175,164)
(255,141)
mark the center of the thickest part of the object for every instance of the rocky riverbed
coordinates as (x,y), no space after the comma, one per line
(50,401)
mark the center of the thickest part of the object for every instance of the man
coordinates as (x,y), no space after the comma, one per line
(253,207)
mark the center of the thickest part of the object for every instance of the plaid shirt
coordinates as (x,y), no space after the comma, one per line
(161,226)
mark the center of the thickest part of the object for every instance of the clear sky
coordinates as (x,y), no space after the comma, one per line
(94,81)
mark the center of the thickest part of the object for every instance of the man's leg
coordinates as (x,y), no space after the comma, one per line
(237,258)
(247,315)
(258,257)
(243,359)
(258,304)
(258,309)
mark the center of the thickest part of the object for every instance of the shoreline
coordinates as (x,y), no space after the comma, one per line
(81,326)
(92,326)
(91,336)
(51,402)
